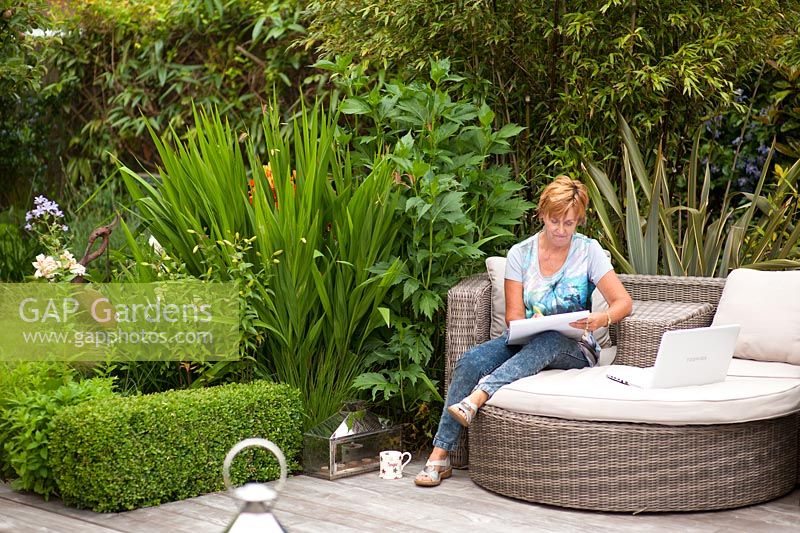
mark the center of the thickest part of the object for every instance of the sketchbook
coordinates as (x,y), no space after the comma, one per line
(521,331)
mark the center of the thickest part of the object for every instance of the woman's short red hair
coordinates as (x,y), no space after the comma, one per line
(562,194)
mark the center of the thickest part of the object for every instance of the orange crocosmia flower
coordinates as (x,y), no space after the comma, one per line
(251,190)
(271,181)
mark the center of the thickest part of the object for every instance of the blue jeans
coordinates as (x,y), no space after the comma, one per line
(494,363)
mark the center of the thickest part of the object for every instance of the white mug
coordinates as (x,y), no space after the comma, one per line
(392,464)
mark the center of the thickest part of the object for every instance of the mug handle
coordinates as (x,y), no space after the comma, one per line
(406,461)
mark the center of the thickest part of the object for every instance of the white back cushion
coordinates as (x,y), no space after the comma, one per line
(496,267)
(767,306)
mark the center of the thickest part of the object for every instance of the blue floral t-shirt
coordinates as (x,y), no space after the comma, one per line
(567,290)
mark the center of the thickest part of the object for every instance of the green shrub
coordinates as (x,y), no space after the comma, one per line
(20,67)
(124,453)
(133,64)
(25,110)
(18,380)
(737,144)
(458,205)
(562,69)
(16,251)
(28,425)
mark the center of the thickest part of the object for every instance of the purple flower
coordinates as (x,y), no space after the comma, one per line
(737,141)
(42,207)
(739,95)
(762,149)
(752,170)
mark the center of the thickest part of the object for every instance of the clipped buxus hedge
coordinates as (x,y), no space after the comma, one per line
(123,453)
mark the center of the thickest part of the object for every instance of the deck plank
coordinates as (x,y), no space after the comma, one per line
(368,503)
(17,518)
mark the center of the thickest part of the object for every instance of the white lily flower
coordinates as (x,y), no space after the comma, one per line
(46,266)
(77,269)
(152,241)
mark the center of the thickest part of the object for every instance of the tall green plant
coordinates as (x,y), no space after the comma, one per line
(325,226)
(695,239)
(458,204)
(16,252)
(200,192)
(317,224)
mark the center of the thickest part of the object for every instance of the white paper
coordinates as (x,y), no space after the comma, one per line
(521,331)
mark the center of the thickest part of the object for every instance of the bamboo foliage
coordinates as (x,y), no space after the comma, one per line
(656,237)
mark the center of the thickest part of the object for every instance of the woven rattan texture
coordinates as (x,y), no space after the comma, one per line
(673,288)
(633,467)
(469,307)
(640,334)
(624,467)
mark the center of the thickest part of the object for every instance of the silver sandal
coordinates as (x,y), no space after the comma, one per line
(463,411)
(430,477)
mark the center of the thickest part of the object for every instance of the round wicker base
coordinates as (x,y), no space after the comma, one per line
(613,466)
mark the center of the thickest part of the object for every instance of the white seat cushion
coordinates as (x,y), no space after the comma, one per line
(763,369)
(587,394)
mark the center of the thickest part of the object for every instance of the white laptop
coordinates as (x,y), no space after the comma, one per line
(685,357)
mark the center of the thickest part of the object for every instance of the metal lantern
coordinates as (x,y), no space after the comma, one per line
(259,498)
(348,443)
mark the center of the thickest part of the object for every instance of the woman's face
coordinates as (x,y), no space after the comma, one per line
(559,229)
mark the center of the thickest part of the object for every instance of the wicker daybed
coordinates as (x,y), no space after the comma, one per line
(622,466)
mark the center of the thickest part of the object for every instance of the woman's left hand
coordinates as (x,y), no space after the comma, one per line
(591,323)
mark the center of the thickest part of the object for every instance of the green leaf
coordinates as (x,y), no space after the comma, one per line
(634,155)
(439,69)
(355,106)
(509,130)
(386,315)
(428,302)
(485,115)
(258,27)
(633,229)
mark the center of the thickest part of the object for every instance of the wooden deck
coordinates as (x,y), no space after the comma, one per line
(367,503)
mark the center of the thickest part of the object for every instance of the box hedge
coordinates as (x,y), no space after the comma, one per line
(123,453)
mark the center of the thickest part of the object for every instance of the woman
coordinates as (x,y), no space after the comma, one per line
(552,272)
